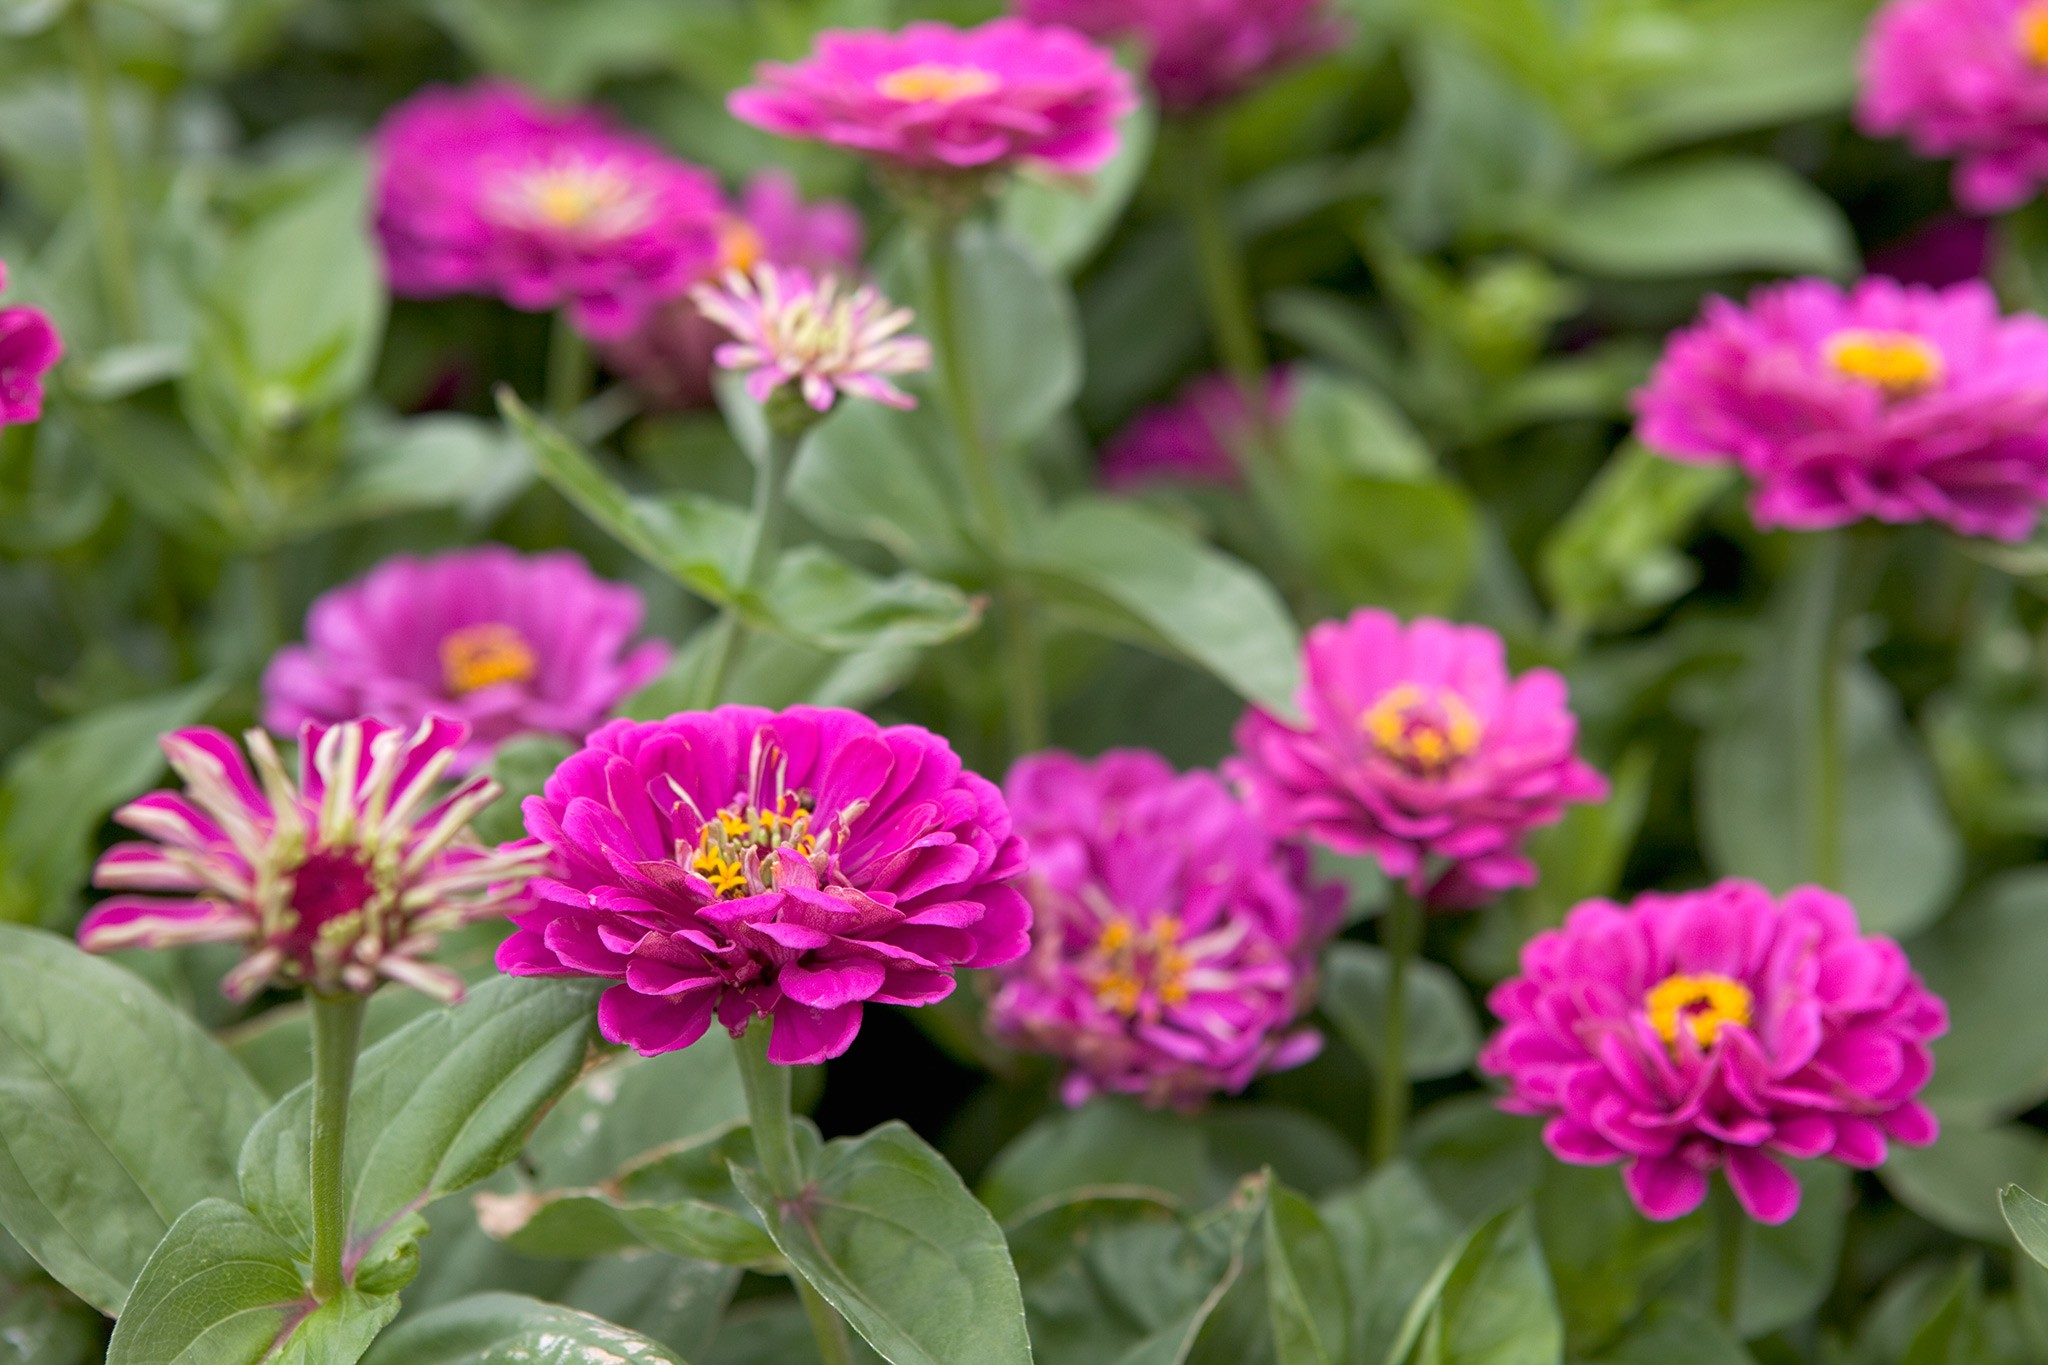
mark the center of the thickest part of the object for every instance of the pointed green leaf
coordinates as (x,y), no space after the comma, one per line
(1305,1293)
(2028,1219)
(510,1329)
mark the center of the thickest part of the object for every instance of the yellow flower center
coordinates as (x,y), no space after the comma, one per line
(739,246)
(585,197)
(731,835)
(1129,960)
(938,82)
(1704,1004)
(1424,729)
(476,657)
(2030,32)
(1899,363)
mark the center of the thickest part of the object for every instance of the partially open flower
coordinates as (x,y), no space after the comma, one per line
(1717,1030)
(1173,942)
(335,881)
(29,349)
(826,339)
(1204,52)
(741,862)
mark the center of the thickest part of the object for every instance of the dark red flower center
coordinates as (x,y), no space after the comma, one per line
(327,887)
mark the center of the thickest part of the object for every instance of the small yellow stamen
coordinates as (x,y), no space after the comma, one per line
(586,197)
(739,246)
(1116,935)
(1704,1004)
(2030,32)
(476,657)
(937,82)
(1129,960)
(1899,363)
(727,837)
(1423,728)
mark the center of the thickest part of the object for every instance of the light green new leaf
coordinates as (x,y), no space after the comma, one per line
(1442,1033)
(1491,1304)
(2028,1219)
(1305,1293)
(119,1114)
(510,1329)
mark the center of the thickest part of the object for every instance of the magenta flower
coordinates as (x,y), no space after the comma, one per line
(788,328)
(1419,749)
(1203,52)
(29,349)
(1968,79)
(747,863)
(333,882)
(940,99)
(1174,942)
(1198,438)
(506,644)
(1717,1030)
(484,190)
(1891,402)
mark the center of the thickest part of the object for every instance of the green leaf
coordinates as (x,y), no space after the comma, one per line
(1020,332)
(891,1238)
(1986,959)
(1491,1305)
(1476,1159)
(120,1114)
(817,598)
(1105,1143)
(1305,1292)
(1132,575)
(1788,1270)
(1703,216)
(577,1225)
(1442,1034)
(620,1112)
(509,1329)
(1616,558)
(1608,1261)
(1675,1333)
(223,1289)
(1389,1233)
(1063,222)
(878,474)
(20,18)
(2028,1219)
(443,459)
(1955,1183)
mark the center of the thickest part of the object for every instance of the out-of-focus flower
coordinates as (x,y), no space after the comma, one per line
(788,328)
(505,643)
(1173,943)
(1717,1030)
(1948,250)
(1204,52)
(1199,437)
(1968,79)
(747,863)
(483,190)
(1419,749)
(29,349)
(334,882)
(935,98)
(1891,402)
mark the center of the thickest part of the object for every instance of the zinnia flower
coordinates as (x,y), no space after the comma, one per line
(484,190)
(1893,402)
(29,349)
(1964,78)
(1203,52)
(747,863)
(1717,1030)
(332,882)
(1199,437)
(1419,749)
(507,644)
(1174,942)
(788,328)
(940,99)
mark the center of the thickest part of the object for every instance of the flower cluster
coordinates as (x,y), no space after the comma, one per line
(1717,1030)
(345,877)
(1203,52)
(789,328)
(1200,437)
(29,349)
(1173,943)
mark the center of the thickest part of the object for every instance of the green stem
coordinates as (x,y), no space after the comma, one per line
(569,372)
(1226,287)
(1731,1233)
(828,1329)
(1845,568)
(757,560)
(1401,935)
(103,170)
(337,1034)
(767,1088)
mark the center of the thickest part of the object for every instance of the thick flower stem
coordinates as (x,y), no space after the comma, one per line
(337,1034)
(1731,1235)
(828,1329)
(1402,939)
(1226,287)
(103,170)
(1845,569)
(757,563)
(569,372)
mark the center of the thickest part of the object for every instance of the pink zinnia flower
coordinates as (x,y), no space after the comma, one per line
(1969,79)
(747,863)
(1199,437)
(1418,749)
(484,190)
(1203,52)
(1174,942)
(1891,402)
(333,882)
(29,349)
(1717,1030)
(788,328)
(936,98)
(507,644)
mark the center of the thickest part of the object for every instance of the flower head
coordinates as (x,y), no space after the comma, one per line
(507,644)
(1717,1030)
(935,98)
(1893,402)
(29,349)
(1198,437)
(1968,79)
(1418,748)
(1203,52)
(484,190)
(1174,942)
(335,881)
(788,328)
(742,862)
